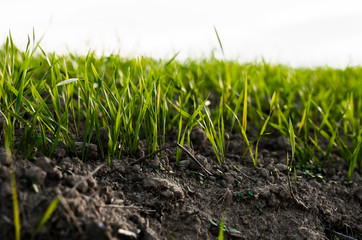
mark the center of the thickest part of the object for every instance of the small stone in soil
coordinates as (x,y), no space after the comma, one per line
(184,163)
(264,172)
(160,183)
(281,167)
(315,183)
(167,194)
(92,183)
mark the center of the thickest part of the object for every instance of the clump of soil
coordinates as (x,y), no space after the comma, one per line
(157,199)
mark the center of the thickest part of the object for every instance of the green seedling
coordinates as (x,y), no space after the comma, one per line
(15,206)
(353,161)
(64,170)
(189,189)
(123,178)
(292,141)
(240,196)
(201,176)
(248,144)
(154,167)
(221,229)
(258,207)
(225,229)
(191,122)
(216,135)
(48,213)
(8,130)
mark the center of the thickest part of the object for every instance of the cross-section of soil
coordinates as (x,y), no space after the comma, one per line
(155,198)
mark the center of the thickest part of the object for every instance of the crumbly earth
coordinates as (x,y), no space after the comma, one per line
(157,199)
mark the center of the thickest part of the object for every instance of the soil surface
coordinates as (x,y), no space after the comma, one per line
(155,198)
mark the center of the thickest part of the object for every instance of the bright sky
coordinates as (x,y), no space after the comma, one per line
(298,33)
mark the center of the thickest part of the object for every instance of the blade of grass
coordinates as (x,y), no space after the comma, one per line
(353,161)
(243,134)
(16,212)
(245,109)
(291,140)
(8,143)
(221,229)
(48,213)
(65,82)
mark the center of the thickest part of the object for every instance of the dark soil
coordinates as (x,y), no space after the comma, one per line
(157,199)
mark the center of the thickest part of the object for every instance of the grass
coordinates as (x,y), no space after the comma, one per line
(66,98)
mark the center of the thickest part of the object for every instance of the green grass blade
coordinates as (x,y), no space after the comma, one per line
(353,161)
(221,230)
(243,134)
(220,44)
(16,212)
(245,109)
(48,213)
(68,81)
(292,137)
(237,108)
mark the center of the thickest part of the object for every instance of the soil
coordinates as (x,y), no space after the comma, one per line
(155,198)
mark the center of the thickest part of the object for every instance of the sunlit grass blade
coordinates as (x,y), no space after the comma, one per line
(245,108)
(291,138)
(220,44)
(243,134)
(191,122)
(8,144)
(330,144)
(353,161)
(221,230)
(237,108)
(262,130)
(211,134)
(179,140)
(48,213)
(65,82)
(16,212)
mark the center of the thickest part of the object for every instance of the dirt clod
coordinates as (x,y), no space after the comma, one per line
(35,174)
(90,150)
(281,167)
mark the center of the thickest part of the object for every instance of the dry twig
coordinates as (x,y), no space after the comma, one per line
(299,202)
(169,146)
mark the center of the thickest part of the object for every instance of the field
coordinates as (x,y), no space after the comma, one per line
(102,147)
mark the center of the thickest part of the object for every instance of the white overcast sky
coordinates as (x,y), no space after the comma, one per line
(298,33)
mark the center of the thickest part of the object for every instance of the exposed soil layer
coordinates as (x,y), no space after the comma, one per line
(157,199)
